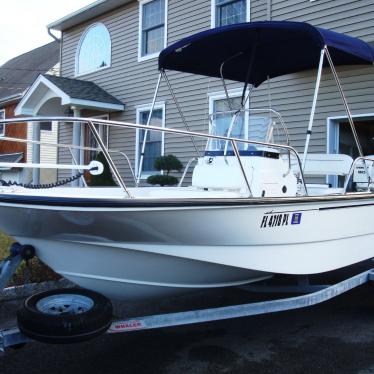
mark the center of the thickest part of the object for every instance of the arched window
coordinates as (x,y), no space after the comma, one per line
(94,50)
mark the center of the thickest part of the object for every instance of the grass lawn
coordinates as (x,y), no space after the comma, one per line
(5,242)
(38,272)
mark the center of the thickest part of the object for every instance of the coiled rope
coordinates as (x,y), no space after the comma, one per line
(44,186)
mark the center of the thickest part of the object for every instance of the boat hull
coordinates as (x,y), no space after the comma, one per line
(124,274)
(136,252)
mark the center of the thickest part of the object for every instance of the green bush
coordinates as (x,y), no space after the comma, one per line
(5,242)
(166,164)
(162,180)
(105,178)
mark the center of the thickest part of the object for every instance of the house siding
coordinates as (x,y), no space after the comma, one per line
(133,82)
(292,95)
(47,153)
(14,130)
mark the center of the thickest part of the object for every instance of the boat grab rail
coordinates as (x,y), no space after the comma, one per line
(119,124)
(352,169)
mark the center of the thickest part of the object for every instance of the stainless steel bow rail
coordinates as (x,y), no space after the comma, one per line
(117,124)
(13,337)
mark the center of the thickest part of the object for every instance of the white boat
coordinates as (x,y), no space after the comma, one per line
(248,212)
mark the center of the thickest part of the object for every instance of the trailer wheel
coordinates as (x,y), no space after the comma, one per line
(65,316)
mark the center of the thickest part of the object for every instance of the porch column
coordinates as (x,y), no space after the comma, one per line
(36,152)
(77,143)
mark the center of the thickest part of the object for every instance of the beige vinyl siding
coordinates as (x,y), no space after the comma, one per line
(47,154)
(258,10)
(133,82)
(292,95)
(353,16)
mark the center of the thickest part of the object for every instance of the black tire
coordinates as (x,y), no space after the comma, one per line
(65,327)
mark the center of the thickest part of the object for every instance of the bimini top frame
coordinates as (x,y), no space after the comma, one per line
(256,51)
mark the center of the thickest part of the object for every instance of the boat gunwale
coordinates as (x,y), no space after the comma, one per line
(179,202)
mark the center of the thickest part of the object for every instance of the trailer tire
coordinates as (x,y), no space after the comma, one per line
(65,315)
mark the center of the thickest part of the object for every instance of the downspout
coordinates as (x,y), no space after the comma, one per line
(58,40)
(59,74)
(52,35)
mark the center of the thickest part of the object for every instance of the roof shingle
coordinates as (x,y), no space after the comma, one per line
(20,72)
(83,90)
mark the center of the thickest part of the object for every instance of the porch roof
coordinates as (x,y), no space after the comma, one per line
(70,92)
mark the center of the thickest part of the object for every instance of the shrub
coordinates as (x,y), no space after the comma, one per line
(167,164)
(162,180)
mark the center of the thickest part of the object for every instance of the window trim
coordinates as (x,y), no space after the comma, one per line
(214,8)
(77,52)
(144,108)
(332,137)
(140,32)
(3,132)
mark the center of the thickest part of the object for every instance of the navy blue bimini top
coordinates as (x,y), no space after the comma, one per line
(255,51)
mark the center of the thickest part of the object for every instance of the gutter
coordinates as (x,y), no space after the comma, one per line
(89,12)
(12,98)
(78,12)
(52,35)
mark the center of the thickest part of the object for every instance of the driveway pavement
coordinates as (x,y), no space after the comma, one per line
(334,337)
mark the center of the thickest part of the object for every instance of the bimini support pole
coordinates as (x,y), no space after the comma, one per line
(350,119)
(180,111)
(140,167)
(312,113)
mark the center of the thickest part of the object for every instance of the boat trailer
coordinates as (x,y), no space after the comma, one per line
(311,295)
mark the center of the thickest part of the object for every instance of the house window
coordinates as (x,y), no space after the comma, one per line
(46,126)
(94,50)
(228,12)
(152,40)
(154,145)
(2,126)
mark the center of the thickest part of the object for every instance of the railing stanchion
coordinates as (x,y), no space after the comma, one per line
(237,154)
(108,158)
(76,163)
